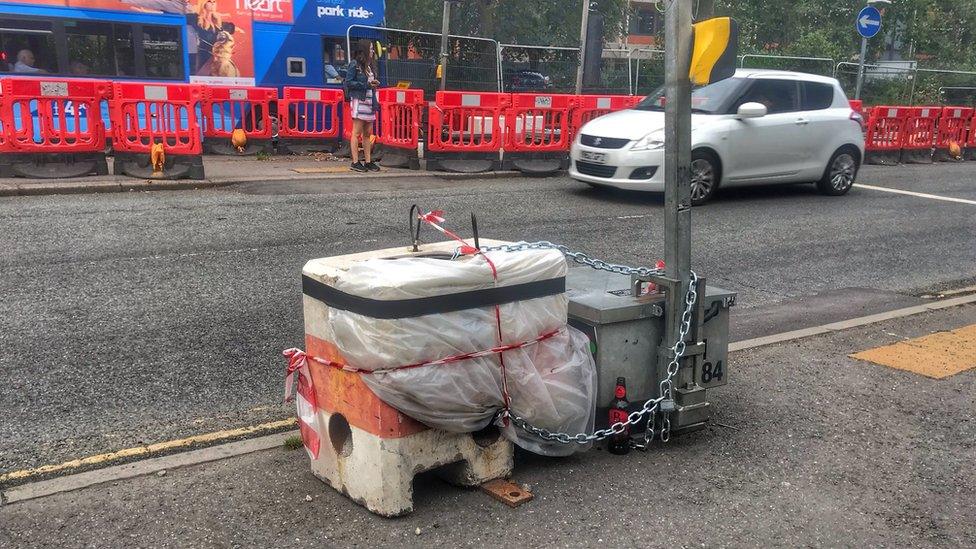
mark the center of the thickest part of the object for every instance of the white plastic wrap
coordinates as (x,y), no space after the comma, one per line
(551,383)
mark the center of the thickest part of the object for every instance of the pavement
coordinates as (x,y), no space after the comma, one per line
(220,172)
(140,318)
(809,447)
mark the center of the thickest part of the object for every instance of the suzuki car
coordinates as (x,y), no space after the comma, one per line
(758,127)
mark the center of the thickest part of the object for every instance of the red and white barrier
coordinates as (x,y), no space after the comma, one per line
(52,128)
(309,119)
(238,120)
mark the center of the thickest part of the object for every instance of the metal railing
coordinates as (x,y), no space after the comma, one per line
(557,63)
(793,62)
(634,72)
(881,82)
(414,55)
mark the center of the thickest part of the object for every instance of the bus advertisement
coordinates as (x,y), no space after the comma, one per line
(227,42)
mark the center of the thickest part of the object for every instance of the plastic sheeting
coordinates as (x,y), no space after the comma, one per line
(551,383)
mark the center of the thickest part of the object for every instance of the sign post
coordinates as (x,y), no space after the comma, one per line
(677,152)
(868,24)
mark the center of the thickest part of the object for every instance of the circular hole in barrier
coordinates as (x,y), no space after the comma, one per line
(487,436)
(340,435)
(515,494)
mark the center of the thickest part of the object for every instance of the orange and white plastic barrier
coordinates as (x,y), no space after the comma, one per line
(884,136)
(156,130)
(52,128)
(237,120)
(953,129)
(537,132)
(465,131)
(309,119)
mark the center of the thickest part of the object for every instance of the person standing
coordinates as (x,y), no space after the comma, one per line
(361,84)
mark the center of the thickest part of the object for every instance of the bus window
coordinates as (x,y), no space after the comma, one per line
(27,47)
(124,51)
(335,59)
(164,54)
(90,48)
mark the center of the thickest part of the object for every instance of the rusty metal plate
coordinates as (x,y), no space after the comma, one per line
(507,492)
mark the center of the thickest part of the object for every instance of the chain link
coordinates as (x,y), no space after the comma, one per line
(667,384)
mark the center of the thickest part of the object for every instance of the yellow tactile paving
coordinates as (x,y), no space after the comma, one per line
(937,355)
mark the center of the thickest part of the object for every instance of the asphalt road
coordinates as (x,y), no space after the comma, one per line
(810,449)
(144,317)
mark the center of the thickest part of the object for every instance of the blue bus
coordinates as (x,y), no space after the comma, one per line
(232,42)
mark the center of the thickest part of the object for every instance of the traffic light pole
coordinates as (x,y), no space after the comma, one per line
(445,42)
(677,154)
(582,50)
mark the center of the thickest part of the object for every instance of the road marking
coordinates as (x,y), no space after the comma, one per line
(937,355)
(146,450)
(631,216)
(913,193)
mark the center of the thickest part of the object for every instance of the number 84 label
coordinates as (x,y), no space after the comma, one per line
(712,373)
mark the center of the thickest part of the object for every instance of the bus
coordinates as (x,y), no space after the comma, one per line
(272,43)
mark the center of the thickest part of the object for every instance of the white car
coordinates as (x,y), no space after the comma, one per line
(759,126)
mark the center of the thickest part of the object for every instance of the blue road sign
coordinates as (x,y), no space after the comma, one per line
(868,22)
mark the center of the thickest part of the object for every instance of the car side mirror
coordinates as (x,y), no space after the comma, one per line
(751,110)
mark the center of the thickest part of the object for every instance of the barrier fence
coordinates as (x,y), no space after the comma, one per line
(247,112)
(60,127)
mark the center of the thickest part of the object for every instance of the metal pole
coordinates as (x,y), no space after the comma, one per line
(582,57)
(860,68)
(677,153)
(445,42)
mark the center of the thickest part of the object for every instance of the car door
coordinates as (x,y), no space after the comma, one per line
(769,148)
(826,123)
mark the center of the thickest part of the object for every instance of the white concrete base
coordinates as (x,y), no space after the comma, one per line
(378,472)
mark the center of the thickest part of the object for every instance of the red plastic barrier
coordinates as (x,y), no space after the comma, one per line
(466,121)
(886,128)
(401,112)
(538,122)
(919,132)
(953,125)
(50,115)
(227,108)
(970,142)
(143,114)
(589,107)
(309,113)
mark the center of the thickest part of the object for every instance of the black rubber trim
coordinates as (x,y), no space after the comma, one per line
(406,308)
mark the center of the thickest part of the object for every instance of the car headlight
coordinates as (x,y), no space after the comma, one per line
(650,142)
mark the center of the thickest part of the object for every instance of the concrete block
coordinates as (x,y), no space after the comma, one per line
(378,472)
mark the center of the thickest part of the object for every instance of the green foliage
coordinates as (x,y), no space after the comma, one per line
(293,442)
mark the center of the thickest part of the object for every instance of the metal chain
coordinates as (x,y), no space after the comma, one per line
(667,384)
(578,257)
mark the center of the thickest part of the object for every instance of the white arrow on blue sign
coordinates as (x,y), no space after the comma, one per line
(868,22)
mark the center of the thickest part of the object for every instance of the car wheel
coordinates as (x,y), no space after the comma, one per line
(841,171)
(704,176)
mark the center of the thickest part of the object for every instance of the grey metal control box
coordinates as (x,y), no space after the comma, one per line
(626,337)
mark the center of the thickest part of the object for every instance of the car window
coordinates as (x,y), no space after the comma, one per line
(777,95)
(708,99)
(816,96)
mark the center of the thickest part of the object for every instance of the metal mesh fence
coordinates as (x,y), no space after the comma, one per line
(888,85)
(411,57)
(538,68)
(647,70)
(823,66)
(615,74)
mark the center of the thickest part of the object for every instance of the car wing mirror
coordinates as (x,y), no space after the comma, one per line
(751,110)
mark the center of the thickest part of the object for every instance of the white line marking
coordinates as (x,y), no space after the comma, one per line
(913,193)
(630,216)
